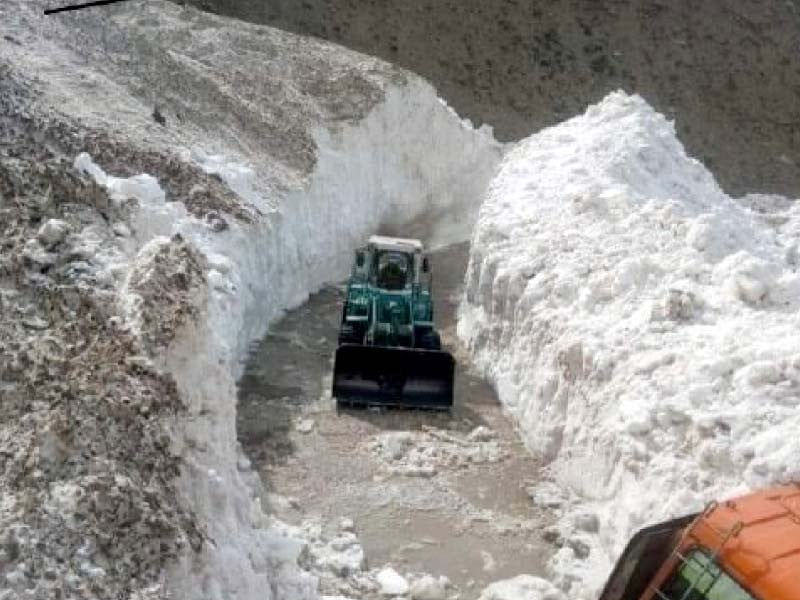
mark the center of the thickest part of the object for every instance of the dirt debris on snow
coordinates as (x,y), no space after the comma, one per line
(99,294)
(422,453)
(169,282)
(202,193)
(89,508)
(250,89)
(338,560)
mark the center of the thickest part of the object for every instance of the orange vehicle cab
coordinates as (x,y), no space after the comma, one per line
(747,548)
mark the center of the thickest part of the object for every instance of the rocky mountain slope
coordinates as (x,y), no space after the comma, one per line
(726,71)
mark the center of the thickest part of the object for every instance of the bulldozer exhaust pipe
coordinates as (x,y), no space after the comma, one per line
(396,376)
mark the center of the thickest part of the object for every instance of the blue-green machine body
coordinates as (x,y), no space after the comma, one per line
(389,351)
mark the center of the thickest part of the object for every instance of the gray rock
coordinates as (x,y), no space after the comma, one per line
(552,535)
(579,547)
(52,233)
(587,522)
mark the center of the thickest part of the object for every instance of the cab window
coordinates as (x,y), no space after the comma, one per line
(392,270)
(700,578)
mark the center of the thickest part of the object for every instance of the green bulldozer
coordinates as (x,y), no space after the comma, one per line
(389,351)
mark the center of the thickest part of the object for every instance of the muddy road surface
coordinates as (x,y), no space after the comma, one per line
(426,492)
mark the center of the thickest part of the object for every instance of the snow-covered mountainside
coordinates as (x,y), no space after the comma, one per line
(639,324)
(170,182)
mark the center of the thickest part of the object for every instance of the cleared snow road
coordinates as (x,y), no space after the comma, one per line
(427,492)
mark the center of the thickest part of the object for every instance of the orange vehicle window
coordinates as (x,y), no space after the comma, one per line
(700,578)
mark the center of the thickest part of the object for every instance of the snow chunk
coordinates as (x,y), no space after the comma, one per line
(144,188)
(428,588)
(522,587)
(347,524)
(343,555)
(391,582)
(305,425)
(489,564)
(396,444)
(481,434)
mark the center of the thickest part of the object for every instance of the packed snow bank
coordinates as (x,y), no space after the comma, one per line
(639,324)
(235,168)
(410,156)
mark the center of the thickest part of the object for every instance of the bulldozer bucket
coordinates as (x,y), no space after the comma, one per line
(381,375)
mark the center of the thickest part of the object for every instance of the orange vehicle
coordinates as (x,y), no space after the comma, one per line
(747,548)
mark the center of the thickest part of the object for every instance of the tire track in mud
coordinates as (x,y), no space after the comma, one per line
(426,492)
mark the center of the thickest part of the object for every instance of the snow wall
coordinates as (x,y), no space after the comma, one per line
(410,157)
(639,324)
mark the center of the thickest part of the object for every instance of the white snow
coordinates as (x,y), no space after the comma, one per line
(410,158)
(391,582)
(521,587)
(343,555)
(638,323)
(305,425)
(489,564)
(428,587)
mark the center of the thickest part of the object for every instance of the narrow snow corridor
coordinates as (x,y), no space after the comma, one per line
(425,492)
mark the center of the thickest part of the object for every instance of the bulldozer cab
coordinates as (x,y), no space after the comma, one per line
(393,270)
(391,264)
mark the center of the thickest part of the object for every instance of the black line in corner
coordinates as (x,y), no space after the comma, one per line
(52,11)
